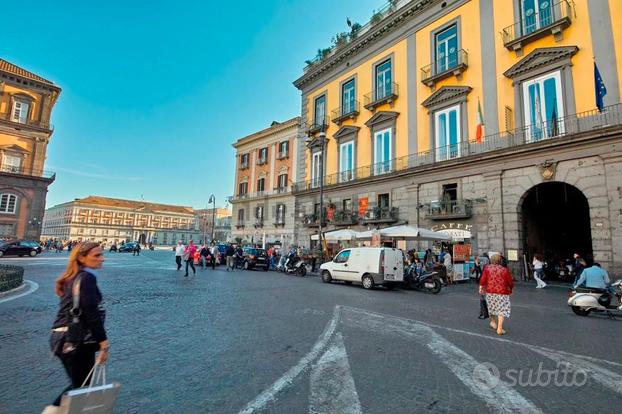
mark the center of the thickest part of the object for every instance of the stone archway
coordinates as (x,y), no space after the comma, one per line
(555,221)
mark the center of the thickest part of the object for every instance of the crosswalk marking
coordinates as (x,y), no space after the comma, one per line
(332,386)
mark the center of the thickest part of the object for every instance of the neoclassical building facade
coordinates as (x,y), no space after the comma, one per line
(26,102)
(114,220)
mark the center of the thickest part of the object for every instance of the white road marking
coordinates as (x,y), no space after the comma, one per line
(33,286)
(332,386)
(607,378)
(286,380)
(499,397)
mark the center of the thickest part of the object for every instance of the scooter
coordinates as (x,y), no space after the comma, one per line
(295,266)
(427,281)
(280,267)
(582,301)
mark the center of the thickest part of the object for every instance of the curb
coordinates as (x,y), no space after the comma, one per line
(18,289)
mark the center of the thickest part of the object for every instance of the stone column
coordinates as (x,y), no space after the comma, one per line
(495,227)
(613,177)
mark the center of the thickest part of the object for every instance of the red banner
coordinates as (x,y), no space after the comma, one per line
(462,252)
(363,202)
(330,213)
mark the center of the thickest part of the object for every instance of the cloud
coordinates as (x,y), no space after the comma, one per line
(81,173)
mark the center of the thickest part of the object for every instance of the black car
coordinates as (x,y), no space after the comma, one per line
(256,258)
(19,248)
(127,247)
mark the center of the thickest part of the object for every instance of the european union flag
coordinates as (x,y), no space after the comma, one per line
(599,88)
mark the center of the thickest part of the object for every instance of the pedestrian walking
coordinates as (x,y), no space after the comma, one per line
(477,269)
(215,253)
(579,265)
(229,253)
(136,251)
(78,357)
(179,252)
(497,284)
(189,252)
(205,254)
(538,270)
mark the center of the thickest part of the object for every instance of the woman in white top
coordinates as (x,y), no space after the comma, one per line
(538,270)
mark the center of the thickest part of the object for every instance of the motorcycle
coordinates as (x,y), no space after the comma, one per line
(295,266)
(427,281)
(280,267)
(583,301)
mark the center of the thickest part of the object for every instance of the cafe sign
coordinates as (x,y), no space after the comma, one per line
(457,231)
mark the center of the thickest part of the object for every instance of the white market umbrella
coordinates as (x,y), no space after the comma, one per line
(338,235)
(405,232)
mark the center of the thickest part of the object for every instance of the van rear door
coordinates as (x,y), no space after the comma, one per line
(393,265)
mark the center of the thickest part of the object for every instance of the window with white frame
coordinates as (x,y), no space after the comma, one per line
(316,168)
(282,181)
(320,110)
(261,185)
(543,104)
(11,163)
(348,97)
(446,49)
(447,133)
(382,151)
(535,14)
(242,188)
(283,149)
(346,161)
(20,111)
(8,203)
(280,213)
(263,155)
(259,213)
(384,79)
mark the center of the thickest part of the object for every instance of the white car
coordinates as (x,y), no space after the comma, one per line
(368,265)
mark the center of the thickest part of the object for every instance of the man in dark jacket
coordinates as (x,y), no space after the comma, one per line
(229,253)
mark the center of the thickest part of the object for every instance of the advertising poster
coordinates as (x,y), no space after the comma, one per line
(363,202)
(462,252)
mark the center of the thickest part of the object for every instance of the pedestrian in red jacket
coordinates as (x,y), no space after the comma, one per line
(497,284)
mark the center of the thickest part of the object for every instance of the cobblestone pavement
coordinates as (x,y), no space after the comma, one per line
(263,342)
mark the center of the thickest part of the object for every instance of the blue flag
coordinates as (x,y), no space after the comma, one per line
(599,89)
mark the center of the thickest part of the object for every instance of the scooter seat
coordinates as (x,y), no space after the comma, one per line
(590,290)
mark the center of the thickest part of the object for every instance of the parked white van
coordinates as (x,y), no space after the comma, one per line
(368,265)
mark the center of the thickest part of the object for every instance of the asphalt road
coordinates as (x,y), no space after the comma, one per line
(263,342)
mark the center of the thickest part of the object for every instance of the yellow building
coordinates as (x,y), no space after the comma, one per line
(477,117)
(26,102)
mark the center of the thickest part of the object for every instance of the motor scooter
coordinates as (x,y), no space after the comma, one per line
(583,301)
(295,266)
(427,281)
(280,267)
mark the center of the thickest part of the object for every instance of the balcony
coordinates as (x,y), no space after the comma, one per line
(28,172)
(385,93)
(552,20)
(30,124)
(378,215)
(346,112)
(262,161)
(454,209)
(258,223)
(545,134)
(244,165)
(280,222)
(312,220)
(281,190)
(240,224)
(345,218)
(453,65)
(282,155)
(319,124)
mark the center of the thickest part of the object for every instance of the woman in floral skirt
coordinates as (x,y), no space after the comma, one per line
(497,284)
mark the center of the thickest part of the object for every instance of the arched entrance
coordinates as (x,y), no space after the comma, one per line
(142,239)
(556,221)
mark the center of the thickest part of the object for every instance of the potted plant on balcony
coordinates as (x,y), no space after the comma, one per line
(354,31)
(393,4)
(376,17)
(340,39)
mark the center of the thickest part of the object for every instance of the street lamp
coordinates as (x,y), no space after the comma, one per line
(212,199)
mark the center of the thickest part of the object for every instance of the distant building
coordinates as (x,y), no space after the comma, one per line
(114,220)
(222,230)
(263,205)
(26,102)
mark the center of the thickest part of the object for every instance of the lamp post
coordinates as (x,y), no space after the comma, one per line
(321,183)
(212,199)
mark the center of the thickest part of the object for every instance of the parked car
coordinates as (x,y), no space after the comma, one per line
(369,266)
(127,247)
(256,258)
(19,248)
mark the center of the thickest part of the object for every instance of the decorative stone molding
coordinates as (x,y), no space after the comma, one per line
(346,132)
(540,57)
(446,95)
(548,170)
(380,117)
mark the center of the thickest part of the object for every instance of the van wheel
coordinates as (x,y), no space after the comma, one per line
(579,311)
(326,278)
(368,282)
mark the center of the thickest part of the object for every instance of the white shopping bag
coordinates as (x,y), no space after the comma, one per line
(98,397)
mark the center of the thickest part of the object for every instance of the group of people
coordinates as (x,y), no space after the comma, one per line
(192,255)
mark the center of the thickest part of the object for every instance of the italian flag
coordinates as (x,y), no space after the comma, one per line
(480,124)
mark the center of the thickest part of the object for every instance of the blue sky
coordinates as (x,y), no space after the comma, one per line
(155,92)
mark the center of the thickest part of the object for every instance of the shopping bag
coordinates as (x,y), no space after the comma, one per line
(99,397)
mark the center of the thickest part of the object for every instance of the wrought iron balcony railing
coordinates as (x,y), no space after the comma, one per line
(450,65)
(345,218)
(561,129)
(11,170)
(384,93)
(450,209)
(380,215)
(282,155)
(244,165)
(348,111)
(262,161)
(551,19)
(319,124)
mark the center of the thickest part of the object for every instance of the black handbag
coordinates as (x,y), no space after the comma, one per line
(483,308)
